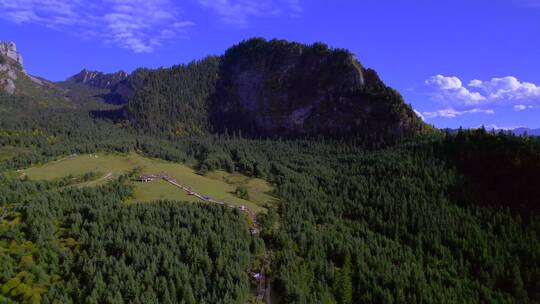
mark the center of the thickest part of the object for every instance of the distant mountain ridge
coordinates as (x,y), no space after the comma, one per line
(113,88)
(519,131)
(98,79)
(528,131)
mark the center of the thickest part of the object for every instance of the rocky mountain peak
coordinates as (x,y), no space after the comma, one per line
(273,88)
(98,79)
(284,88)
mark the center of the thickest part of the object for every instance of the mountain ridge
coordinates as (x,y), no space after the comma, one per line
(98,79)
(259,88)
(274,88)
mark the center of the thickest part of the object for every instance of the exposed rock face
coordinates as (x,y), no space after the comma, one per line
(10,64)
(273,89)
(13,77)
(9,49)
(277,88)
(98,79)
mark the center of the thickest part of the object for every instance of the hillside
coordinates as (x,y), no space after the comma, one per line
(14,80)
(174,101)
(273,89)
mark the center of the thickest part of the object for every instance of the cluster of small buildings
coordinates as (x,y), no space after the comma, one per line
(146,178)
(149,178)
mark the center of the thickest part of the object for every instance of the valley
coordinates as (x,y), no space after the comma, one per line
(277,172)
(219,185)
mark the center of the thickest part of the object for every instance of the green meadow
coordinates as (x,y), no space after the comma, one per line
(218,184)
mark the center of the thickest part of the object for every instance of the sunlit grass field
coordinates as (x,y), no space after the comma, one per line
(218,185)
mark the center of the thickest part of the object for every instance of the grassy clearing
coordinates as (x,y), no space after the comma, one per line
(258,189)
(160,190)
(218,185)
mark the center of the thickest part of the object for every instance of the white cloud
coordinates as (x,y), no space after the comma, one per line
(137,25)
(480,96)
(183,24)
(507,88)
(494,127)
(451,89)
(521,107)
(451,113)
(294,6)
(54,12)
(238,12)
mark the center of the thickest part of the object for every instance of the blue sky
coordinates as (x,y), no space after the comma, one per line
(459,63)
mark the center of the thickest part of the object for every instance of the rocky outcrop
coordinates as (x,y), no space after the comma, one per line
(9,50)
(10,64)
(273,88)
(277,88)
(15,80)
(98,79)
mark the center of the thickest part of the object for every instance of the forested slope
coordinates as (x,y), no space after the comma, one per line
(174,101)
(272,89)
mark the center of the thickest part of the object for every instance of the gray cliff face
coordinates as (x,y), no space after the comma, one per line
(9,49)
(277,88)
(11,63)
(13,78)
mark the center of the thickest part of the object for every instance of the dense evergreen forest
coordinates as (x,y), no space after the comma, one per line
(86,246)
(174,101)
(416,221)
